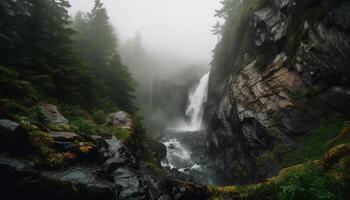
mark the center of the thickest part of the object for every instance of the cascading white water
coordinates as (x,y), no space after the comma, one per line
(195,107)
(182,154)
(177,155)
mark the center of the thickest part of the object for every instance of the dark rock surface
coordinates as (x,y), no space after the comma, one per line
(157,149)
(112,171)
(87,181)
(14,138)
(254,106)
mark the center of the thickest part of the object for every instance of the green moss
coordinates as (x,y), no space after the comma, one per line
(73,111)
(310,182)
(37,115)
(120,133)
(155,169)
(45,156)
(99,116)
(84,126)
(313,146)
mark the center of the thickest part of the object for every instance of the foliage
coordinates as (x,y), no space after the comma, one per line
(99,116)
(72,111)
(84,126)
(237,38)
(120,133)
(96,43)
(37,115)
(39,61)
(314,145)
(309,183)
(44,155)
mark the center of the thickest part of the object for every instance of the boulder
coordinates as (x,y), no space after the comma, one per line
(84,151)
(14,138)
(157,149)
(87,181)
(131,186)
(10,164)
(120,119)
(166,188)
(20,181)
(65,136)
(53,115)
(119,155)
(102,148)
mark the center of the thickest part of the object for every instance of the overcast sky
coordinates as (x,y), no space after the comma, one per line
(180,27)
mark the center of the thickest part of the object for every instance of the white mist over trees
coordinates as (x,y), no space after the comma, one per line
(165,44)
(179,28)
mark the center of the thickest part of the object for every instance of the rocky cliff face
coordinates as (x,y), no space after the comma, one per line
(287,69)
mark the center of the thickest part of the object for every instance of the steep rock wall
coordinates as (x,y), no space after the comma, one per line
(287,67)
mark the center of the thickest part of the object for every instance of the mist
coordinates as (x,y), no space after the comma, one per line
(167,46)
(179,28)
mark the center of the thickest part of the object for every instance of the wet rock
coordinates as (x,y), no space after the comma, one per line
(14,138)
(120,119)
(171,146)
(88,152)
(119,155)
(175,173)
(11,164)
(256,134)
(337,98)
(53,114)
(298,122)
(102,148)
(341,15)
(131,186)
(157,149)
(184,190)
(88,183)
(305,78)
(65,136)
(275,27)
(20,181)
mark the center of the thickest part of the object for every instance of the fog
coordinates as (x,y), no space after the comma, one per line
(178,28)
(167,45)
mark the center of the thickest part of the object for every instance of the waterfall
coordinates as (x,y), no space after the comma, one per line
(195,108)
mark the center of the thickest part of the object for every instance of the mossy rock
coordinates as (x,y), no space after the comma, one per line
(14,138)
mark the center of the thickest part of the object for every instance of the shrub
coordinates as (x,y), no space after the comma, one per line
(119,133)
(37,116)
(72,111)
(84,126)
(310,183)
(99,117)
(44,84)
(314,145)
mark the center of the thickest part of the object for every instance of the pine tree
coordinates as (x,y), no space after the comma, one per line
(103,41)
(97,45)
(217,30)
